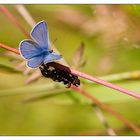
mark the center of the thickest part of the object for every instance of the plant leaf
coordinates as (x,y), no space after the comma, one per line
(52,93)
(7,69)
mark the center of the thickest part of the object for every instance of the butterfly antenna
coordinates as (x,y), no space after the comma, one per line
(52,43)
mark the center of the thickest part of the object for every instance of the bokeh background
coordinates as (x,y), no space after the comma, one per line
(107,37)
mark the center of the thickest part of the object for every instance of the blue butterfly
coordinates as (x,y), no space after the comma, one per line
(37,51)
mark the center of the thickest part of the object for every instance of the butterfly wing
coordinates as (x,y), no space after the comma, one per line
(35,61)
(40,34)
(29,49)
(51,57)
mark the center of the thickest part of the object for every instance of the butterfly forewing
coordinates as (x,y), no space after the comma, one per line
(40,34)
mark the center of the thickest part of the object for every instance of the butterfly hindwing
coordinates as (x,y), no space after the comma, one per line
(35,61)
(51,57)
(40,34)
(29,49)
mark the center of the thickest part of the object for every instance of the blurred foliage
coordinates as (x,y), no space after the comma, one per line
(110,34)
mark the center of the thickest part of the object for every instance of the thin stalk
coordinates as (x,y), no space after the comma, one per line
(94,79)
(13,19)
(44,96)
(119,76)
(9,48)
(31,89)
(122,76)
(103,120)
(25,14)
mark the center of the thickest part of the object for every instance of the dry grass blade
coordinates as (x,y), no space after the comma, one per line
(102,118)
(24,13)
(45,96)
(13,19)
(11,55)
(35,76)
(78,55)
(6,69)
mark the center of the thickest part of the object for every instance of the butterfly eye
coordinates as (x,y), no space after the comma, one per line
(51,51)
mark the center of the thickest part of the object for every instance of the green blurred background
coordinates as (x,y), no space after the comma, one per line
(111,36)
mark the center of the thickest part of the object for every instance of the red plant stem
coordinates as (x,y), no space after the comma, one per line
(9,48)
(13,19)
(104,106)
(91,78)
(80,74)
(81,91)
